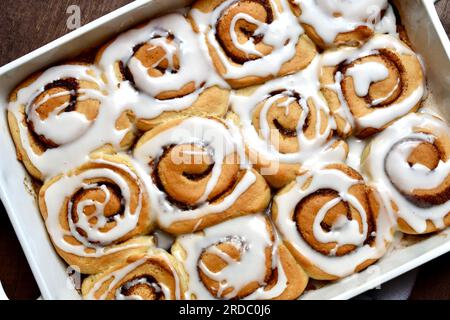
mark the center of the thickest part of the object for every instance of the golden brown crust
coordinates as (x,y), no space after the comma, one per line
(213,101)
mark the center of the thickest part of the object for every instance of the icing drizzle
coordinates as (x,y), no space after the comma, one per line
(329,18)
(342,232)
(251,237)
(387,165)
(281,33)
(306,84)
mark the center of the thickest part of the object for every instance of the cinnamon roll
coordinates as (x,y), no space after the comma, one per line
(96,213)
(251,41)
(239,259)
(331,23)
(160,72)
(332,222)
(198,174)
(287,126)
(409,163)
(154,275)
(53,119)
(368,88)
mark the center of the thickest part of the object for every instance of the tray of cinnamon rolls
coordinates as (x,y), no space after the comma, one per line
(233,149)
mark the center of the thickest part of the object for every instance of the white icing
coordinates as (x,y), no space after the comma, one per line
(306,84)
(343,231)
(387,164)
(249,234)
(163,240)
(118,275)
(365,74)
(348,54)
(344,110)
(222,142)
(282,34)
(355,150)
(379,116)
(249,46)
(95,238)
(388,24)
(321,15)
(74,123)
(399,170)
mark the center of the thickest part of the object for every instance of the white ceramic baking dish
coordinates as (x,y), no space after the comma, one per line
(425,31)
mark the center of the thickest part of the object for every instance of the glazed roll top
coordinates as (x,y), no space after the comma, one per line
(154,275)
(95,213)
(332,222)
(239,259)
(251,41)
(370,87)
(161,70)
(287,126)
(409,164)
(198,174)
(331,23)
(53,117)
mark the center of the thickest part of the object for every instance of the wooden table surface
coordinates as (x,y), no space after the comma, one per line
(26,25)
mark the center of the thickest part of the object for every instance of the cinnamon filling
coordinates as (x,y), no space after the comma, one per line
(145,287)
(283,117)
(114,207)
(189,167)
(382,93)
(307,209)
(284,131)
(260,10)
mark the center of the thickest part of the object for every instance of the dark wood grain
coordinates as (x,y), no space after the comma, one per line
(28,24)
(443,8)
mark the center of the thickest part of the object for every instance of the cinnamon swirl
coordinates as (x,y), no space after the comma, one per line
(332,222)
(409,163)
(287,126)
(96,213)
(368,88)
(198,174)
(159,72)
(251,41)
(239,259)
(154,275)
(58,117)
